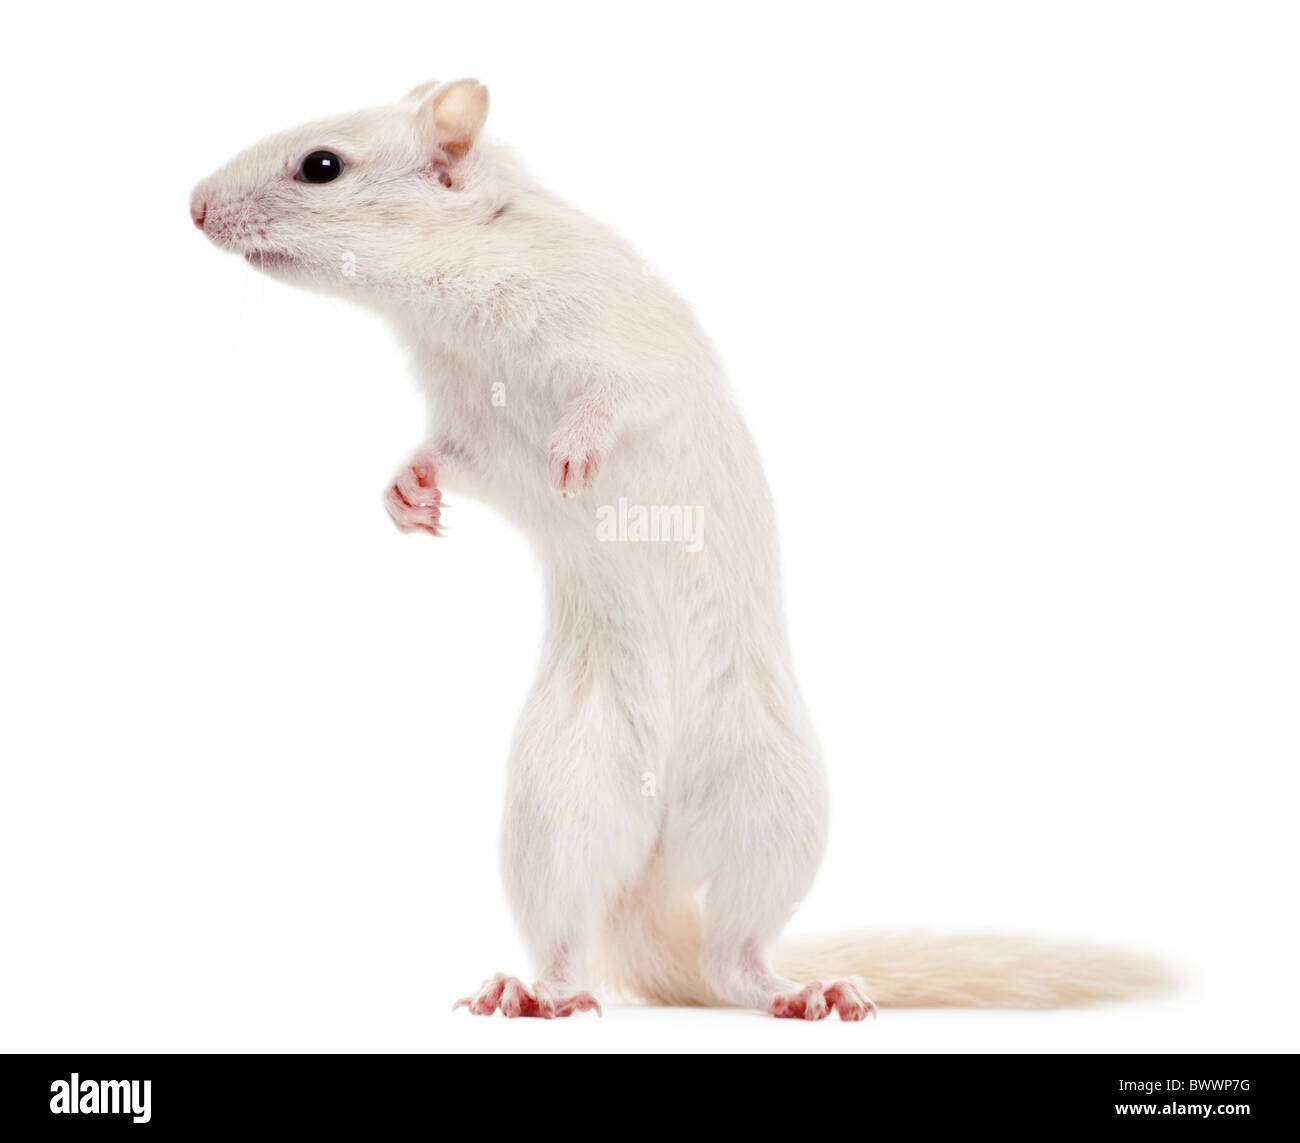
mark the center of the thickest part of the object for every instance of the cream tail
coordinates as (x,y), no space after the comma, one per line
(917,970)
(657,958)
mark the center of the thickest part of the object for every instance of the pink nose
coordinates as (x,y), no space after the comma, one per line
(198,212)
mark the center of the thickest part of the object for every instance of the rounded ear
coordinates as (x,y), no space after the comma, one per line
(453,115)
(418,93)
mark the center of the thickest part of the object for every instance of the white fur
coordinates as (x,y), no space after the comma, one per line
(665,748)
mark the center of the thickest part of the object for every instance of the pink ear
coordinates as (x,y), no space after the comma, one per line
(453,115)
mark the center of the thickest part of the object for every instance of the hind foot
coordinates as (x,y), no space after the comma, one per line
(514,998)
(815,1001)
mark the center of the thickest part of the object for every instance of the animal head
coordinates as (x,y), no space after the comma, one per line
(358,200)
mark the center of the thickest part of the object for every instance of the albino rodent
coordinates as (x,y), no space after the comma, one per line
(665,748)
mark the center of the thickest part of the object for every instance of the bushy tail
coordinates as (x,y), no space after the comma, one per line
(653,951)
(915,970)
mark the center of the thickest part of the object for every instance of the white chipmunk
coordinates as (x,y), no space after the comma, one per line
(665,748)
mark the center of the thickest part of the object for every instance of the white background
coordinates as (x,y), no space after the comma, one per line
(1008,293)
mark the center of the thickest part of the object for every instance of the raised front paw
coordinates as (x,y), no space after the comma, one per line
(572,470)
(576,453)
(414,500)
(514,998)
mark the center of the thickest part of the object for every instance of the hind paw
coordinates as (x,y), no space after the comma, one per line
(514,999)
(815,1001)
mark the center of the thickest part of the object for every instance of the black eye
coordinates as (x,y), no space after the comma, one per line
(320,167)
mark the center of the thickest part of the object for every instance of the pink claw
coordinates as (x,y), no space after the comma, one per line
(815,1002)
(515,999)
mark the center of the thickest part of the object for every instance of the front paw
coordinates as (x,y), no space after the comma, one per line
(572,472)
(575,459)
(414,500)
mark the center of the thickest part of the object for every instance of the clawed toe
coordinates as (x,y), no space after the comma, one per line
(815,1002)
(513,999)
